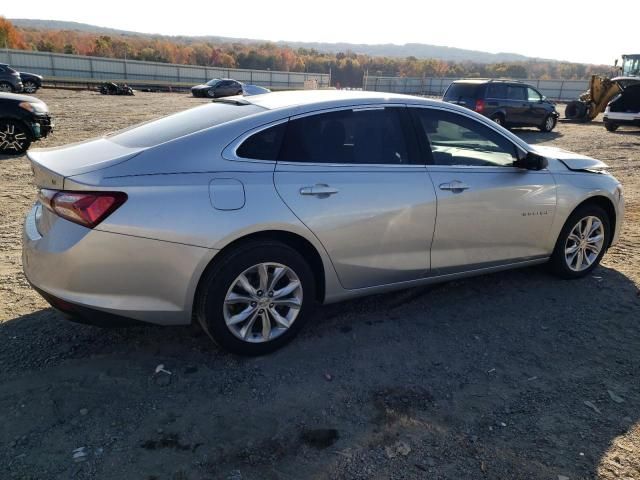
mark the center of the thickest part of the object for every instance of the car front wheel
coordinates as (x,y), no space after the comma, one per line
(257,298)
(548,124)
(14,138)
(6,87)
(211,93)
(581,243)
(30,87)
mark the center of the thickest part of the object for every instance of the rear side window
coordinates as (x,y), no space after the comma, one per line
(461,90)
(497,90)
(368,136)
(181,124)
(515,92)
(264,145)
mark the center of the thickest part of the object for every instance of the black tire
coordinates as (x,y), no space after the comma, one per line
(548,124)
(499,119)
(15,138)
(6,87)
(558,263)
(576,110)
(30,87)
(611,127)
(211,93)
(218,280)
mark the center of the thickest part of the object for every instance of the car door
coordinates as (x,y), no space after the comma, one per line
(353,176)
(537,110)
(489,212)
(516,105)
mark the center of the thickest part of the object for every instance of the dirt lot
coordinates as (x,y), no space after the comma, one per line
(515,375)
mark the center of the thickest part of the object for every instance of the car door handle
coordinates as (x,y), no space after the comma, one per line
(455,186)
(319,189)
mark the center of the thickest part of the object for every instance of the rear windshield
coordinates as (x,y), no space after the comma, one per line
(461,90)
(181,124)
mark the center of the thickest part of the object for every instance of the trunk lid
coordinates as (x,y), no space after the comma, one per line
(52,165)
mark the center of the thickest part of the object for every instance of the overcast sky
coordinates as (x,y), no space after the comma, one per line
(536,28)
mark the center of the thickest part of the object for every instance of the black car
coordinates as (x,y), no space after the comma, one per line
(508,103)
(30,82)
(10,80)
(218,87)
(23,120)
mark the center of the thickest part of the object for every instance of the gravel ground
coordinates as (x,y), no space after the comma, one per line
(516,375)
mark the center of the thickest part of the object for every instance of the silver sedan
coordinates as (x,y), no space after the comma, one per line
(246,213)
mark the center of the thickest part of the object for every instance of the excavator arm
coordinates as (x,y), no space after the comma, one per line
(593,101)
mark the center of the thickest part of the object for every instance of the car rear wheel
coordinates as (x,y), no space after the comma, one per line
(14,138)
(548,124)
(6,87)
(499,119)
(581,243)
(611,127)
(257,298)
(30,87)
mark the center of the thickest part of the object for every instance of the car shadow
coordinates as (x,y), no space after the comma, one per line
(511,375)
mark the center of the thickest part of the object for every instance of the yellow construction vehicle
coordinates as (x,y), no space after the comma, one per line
(602,90)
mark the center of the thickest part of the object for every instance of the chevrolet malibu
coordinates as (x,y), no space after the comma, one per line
(246,213)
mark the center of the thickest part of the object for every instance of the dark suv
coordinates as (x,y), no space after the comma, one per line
(508,103)
(10,80)
(23,120)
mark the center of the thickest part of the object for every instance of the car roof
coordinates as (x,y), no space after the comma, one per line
(329,98)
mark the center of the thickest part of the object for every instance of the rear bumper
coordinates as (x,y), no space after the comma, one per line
(99,277)
(621,118)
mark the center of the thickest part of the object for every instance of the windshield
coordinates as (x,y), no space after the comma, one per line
(181,124)
(213,82)
(631,66)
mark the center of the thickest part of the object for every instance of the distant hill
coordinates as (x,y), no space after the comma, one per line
(418,50)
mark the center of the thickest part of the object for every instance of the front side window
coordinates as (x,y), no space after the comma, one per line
(458,140)
(533,95)
(358,136)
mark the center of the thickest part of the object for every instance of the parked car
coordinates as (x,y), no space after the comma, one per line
(508,103)
(111,88)
(23,120)
(623,110)
(9,79)
(254,90)
(218,87)
(30,82)
(244,214)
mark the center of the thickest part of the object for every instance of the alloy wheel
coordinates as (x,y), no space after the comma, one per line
(30,87)
(263,302)
(12,138)
(5,87)
(584,243)
(549,123)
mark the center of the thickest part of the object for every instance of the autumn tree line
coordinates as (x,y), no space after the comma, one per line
(347,68)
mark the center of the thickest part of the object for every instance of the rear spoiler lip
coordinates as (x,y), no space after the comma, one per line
(45,177)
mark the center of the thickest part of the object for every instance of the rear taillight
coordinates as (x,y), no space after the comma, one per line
(479,105)
(84,208)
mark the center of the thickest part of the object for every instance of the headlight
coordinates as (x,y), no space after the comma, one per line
(34,107)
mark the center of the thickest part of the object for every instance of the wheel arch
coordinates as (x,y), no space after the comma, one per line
(293,240)
(607,205)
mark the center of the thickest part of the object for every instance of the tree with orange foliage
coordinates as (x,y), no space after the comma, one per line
(9,36)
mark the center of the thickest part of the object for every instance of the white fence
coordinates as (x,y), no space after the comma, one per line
(561,90)
(58,66)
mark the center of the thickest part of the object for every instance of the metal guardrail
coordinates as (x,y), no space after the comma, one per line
(71,68)
(559,90)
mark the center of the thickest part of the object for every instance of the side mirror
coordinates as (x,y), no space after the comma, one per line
(532,161)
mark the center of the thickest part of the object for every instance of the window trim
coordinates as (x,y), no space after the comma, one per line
(427,152)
